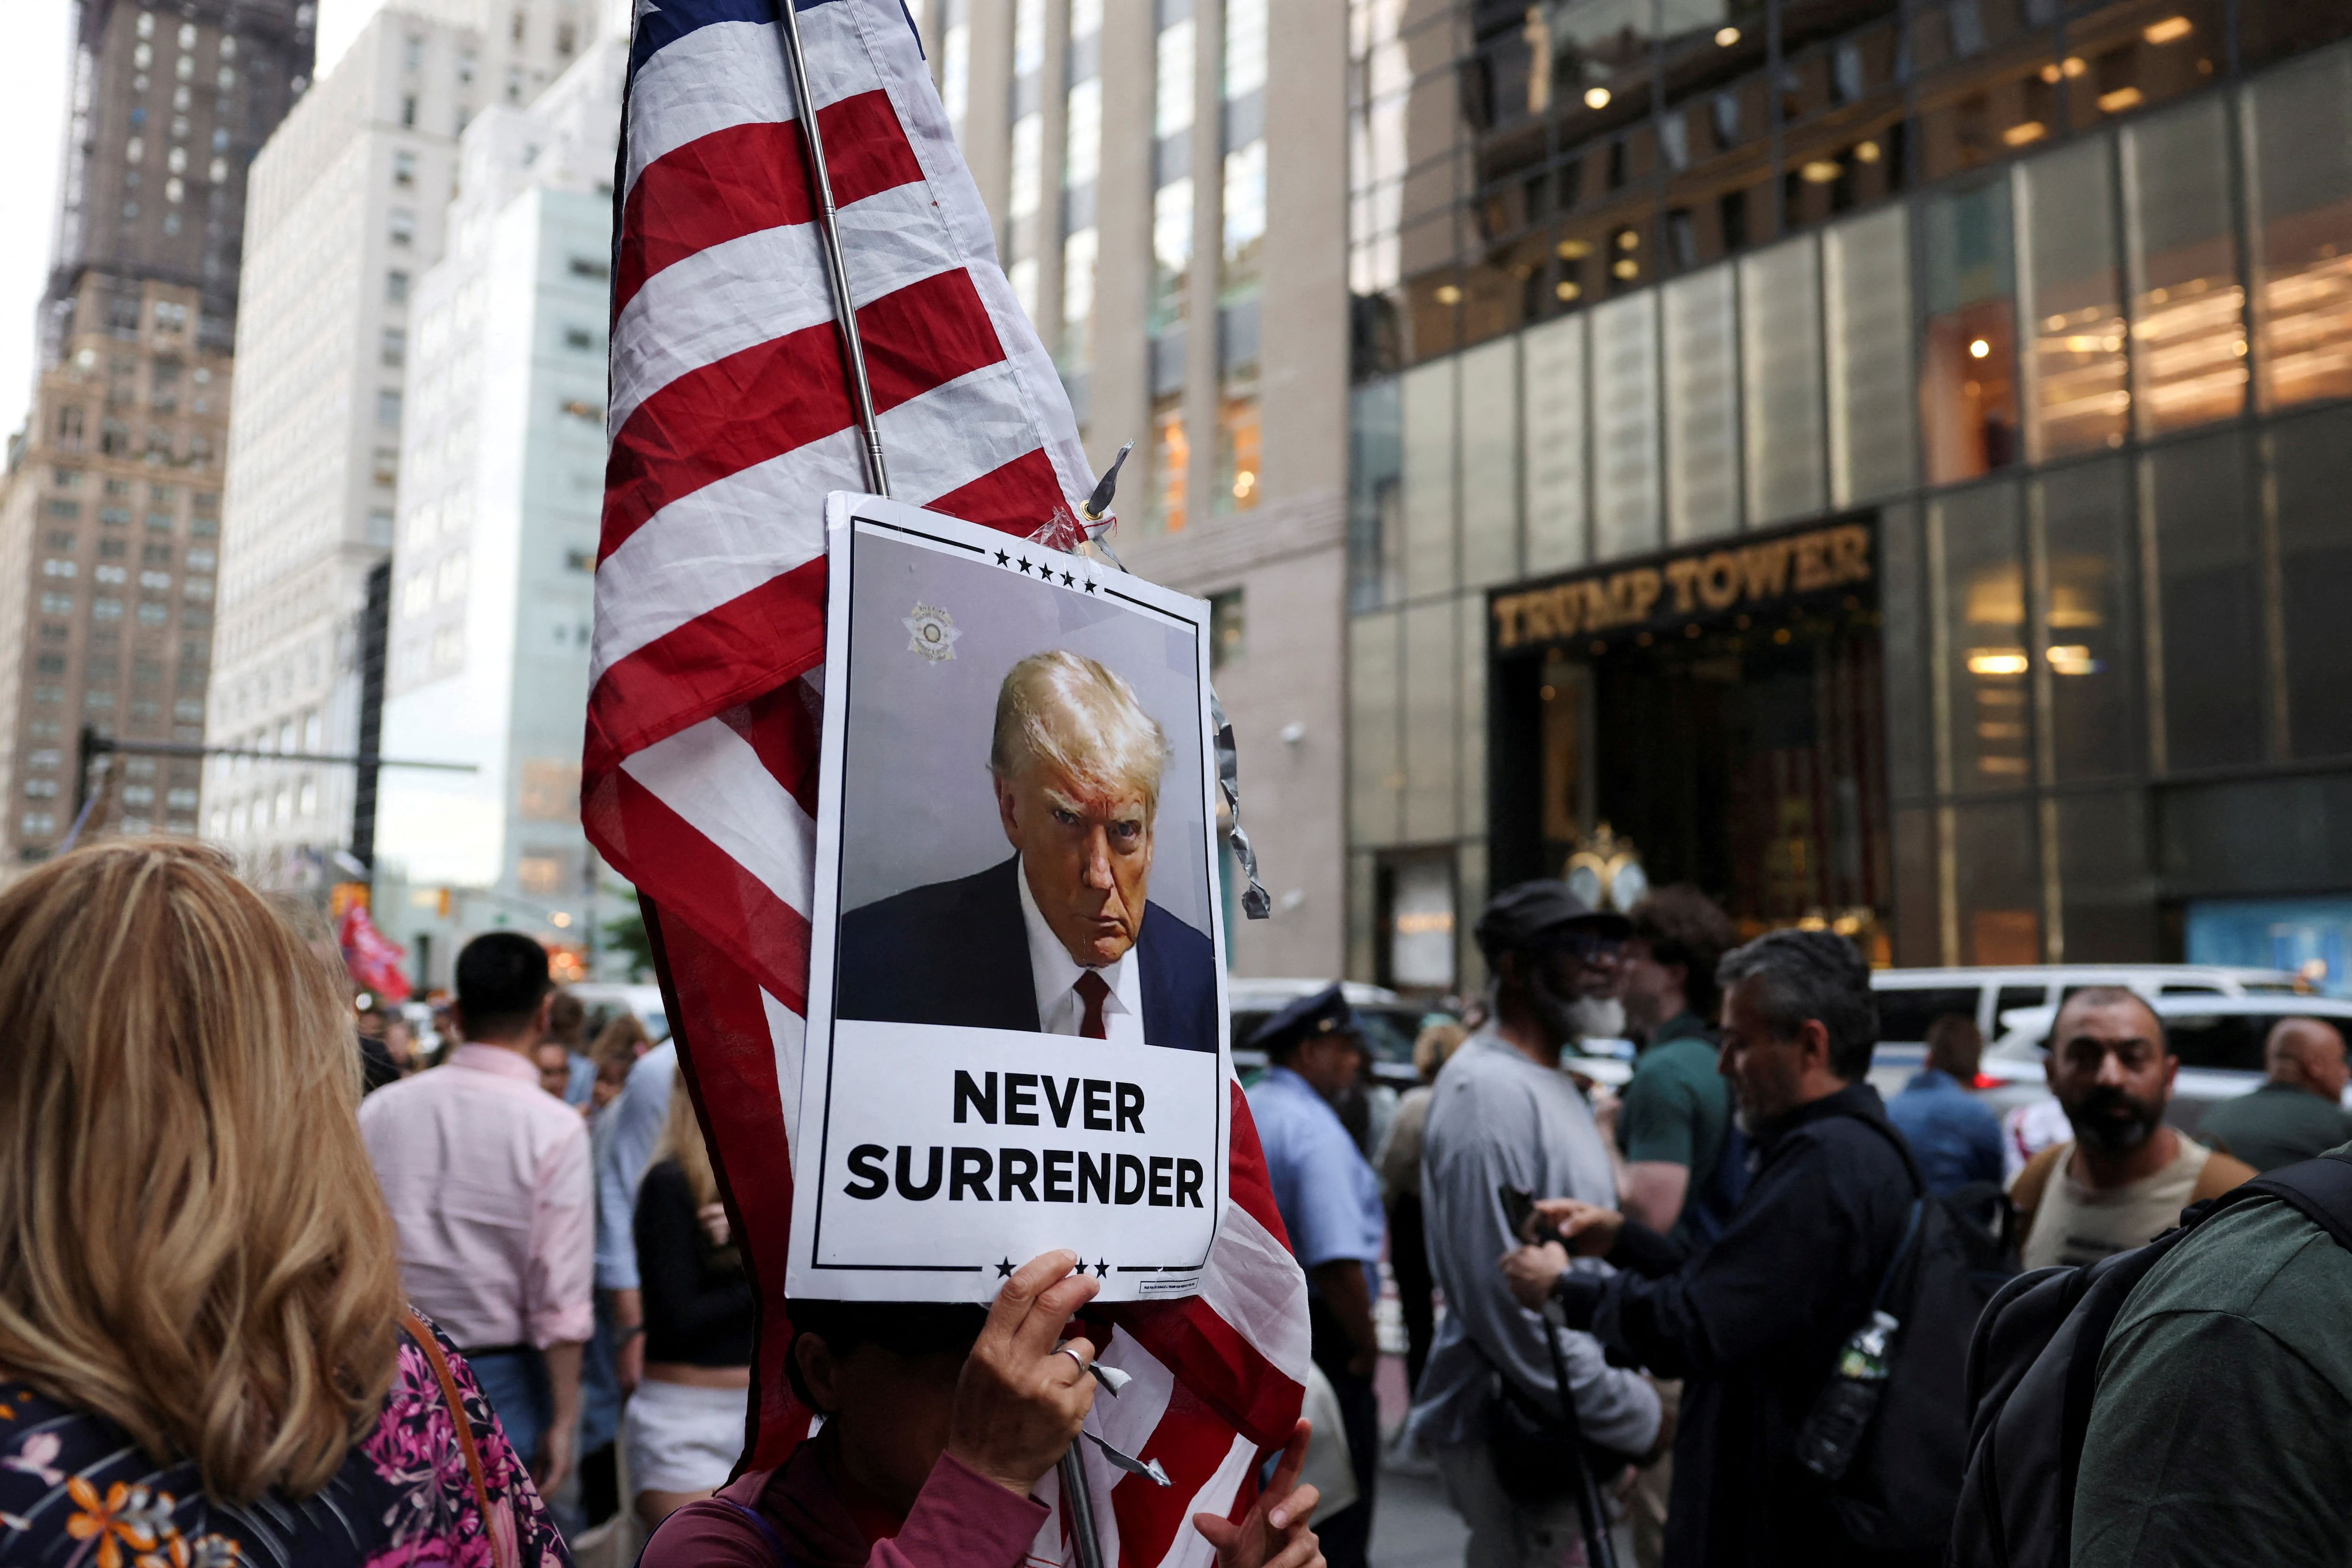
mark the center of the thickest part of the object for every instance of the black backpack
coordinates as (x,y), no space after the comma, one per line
(2034,1369)
(1902,1491)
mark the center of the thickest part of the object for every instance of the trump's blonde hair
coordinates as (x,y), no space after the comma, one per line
(192,1241)
(1064,710)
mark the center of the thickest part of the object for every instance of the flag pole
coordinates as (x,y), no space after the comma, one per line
(845,309)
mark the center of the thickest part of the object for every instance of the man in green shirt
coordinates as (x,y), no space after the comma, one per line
(2218,1435)
(1676,1112)
(2298,1112)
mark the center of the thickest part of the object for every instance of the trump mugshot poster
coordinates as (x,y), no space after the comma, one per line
(1016,989)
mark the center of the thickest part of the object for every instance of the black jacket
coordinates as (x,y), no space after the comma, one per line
(1753,1324)
(957,953)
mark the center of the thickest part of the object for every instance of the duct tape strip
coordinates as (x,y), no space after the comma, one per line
(1256,904)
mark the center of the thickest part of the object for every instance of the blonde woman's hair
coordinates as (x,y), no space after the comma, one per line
(1068,711)
(192,1244)
(681,1140)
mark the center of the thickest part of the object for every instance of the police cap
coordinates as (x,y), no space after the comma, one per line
(1325,1012)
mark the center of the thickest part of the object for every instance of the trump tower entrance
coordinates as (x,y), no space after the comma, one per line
(1720,706)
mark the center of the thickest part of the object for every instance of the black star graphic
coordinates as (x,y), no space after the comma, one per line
(1025,565)
(1002,558)
(1004,1270)
(1068,581)
(1101,1268)
(1090,585)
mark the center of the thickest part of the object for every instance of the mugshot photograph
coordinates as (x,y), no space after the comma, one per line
(1061,937)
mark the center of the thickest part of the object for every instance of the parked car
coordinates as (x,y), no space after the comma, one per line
(1911,999)
(2218,1039)
(1390,1023)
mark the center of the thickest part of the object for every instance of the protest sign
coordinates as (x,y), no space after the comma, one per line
(1015,1035)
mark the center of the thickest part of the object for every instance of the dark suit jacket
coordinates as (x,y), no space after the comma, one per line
(958,953)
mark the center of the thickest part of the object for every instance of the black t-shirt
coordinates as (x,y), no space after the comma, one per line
(698,1299)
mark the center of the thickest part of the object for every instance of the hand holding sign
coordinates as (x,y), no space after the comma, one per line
(1020,1400)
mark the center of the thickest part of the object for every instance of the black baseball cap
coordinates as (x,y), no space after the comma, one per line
(1521,916)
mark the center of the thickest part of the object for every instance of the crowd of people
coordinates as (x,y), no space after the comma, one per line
(1670,1287)
(276,1292)
(248,1316)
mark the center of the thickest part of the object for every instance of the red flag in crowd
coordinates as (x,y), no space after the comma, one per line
(372,957)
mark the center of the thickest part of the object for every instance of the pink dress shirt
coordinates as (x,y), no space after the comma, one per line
(486,1178)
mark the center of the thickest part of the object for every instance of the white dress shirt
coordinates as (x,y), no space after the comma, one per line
(1060,1009)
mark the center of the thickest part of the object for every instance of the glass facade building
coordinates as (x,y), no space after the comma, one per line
(1886,460)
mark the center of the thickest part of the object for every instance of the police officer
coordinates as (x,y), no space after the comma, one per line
(1330,1204)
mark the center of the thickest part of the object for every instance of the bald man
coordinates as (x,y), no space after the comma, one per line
(2299,1110)
(1062,939)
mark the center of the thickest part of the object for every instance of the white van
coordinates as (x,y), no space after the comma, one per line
(1911,999)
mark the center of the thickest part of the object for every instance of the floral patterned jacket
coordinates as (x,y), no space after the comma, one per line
(76,1493)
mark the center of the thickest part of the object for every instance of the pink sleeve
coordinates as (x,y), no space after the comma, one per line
(557,1303)
(961,1519)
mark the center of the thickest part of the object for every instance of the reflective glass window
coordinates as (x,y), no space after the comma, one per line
(1375,493)
(2128,55)
(1625,425)
(2210,609)
(2107,892)
(1552,362)
(2073,302)
(1702,406)
(1997,883)
(2087,549)
(1902,637)
(1431,736)
(2299,161)
(1866,290)
(1490,463)
(1986,696)
(2188,330)
(1428,516)
(1375,780)
(1967,376)
(1780,379)
(2311,469)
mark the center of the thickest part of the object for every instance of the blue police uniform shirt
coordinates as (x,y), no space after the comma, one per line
(1329,1198)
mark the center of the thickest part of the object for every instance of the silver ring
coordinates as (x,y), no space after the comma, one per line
(1079,1359)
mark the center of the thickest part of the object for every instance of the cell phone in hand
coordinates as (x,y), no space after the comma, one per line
(1519,1214)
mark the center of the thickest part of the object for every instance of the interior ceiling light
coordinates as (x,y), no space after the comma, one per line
(2171,28)
(1727,37)
(1596,98)
(2123,97)
(1866,152)
(1996,662)
(1574,250)
(1977,350)
(1820,171)
(1448,294)
(2018,135)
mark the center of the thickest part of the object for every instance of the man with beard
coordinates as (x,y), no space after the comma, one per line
(1504,1115)
(1753,1324)
(2124,1176)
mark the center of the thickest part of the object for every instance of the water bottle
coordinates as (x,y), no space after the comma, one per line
(1833,1432)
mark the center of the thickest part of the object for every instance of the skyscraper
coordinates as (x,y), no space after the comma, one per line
(350,201)
(109,516)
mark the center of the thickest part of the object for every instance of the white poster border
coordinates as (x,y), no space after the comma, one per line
(807,1275)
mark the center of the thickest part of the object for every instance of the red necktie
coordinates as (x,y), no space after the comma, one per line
(1092,989)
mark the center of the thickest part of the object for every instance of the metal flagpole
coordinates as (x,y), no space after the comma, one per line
(1079,1504)
(845,309)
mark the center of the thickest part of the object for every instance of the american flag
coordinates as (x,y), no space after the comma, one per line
(730,420)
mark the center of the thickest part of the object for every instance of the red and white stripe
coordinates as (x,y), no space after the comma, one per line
(730,420)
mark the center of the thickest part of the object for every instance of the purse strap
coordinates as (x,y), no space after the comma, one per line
(431,1345)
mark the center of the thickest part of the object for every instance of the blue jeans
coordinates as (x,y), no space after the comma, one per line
(515,1383)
